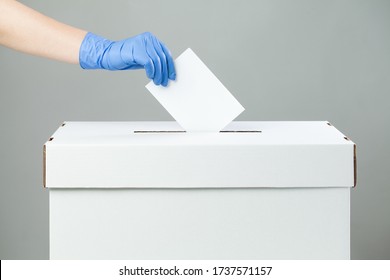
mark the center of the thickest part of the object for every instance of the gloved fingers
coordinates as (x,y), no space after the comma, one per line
(151,51)
(171,65)
(149,68)
(163,59)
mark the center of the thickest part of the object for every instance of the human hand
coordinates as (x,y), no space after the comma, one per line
(141,51)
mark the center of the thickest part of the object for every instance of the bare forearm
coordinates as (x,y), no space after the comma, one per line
(26,30)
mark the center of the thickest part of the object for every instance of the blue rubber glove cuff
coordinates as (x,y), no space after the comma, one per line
(91,51)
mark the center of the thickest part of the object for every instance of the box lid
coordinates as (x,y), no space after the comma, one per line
(162,155)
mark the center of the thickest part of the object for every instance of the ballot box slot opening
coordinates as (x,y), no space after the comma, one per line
(183,131)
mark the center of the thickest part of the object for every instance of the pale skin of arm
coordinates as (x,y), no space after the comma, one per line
(28,31)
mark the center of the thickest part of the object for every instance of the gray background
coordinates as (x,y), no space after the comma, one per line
(283,60)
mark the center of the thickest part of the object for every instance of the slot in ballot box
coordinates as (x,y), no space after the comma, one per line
(149,190)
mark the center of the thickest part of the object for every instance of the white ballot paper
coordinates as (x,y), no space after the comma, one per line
(197,100)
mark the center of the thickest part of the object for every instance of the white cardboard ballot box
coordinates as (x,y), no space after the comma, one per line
(148,190)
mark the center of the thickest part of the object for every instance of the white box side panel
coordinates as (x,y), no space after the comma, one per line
(292,223)
(101,166)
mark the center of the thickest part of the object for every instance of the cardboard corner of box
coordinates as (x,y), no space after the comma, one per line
(44,158)
(354,166)
(44,166)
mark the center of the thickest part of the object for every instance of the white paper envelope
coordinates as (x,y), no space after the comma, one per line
(197,100)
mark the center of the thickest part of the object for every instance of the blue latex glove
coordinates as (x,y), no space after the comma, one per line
(141,51)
